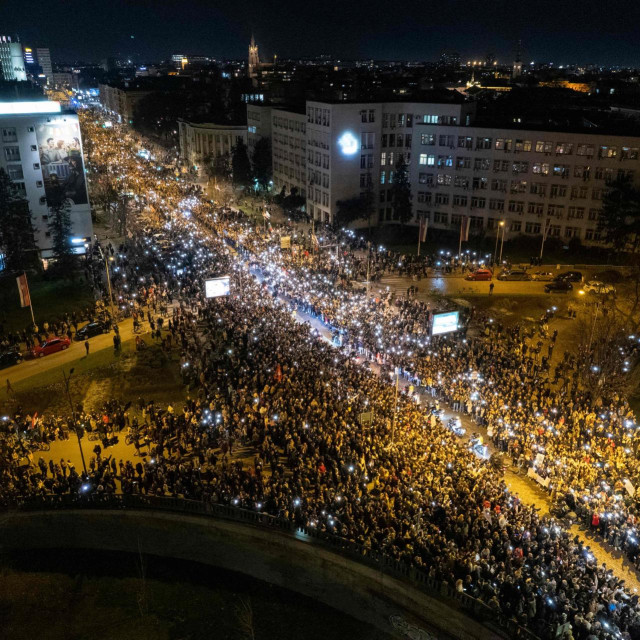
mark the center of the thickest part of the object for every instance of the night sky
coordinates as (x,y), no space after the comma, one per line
(560,31)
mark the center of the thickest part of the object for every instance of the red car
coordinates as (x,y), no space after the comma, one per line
(50,346)
(480,274)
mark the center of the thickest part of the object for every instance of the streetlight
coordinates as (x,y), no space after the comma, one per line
(495,250)
(106,267)
(594,318)
(67,380)
(502,224)
(395,406)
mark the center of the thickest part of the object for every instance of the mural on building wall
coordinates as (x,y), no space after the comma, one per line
(61,159)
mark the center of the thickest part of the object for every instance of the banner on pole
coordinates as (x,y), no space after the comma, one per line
(465,221)
(285,242)
(424,224)
(23,290)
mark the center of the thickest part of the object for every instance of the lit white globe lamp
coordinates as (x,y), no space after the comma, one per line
(348,143)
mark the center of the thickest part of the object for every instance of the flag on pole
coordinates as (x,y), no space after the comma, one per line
(423,229)
(266,215)
(314,240)
(23,290)
(464,228)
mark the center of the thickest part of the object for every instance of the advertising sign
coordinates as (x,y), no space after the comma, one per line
(61,159)
(445,322)
(217,287)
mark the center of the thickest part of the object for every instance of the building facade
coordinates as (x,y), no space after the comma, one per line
(42,154)
(199,140)
(121,100)
(354,147)
(537,182)
(43,56)
(12,60)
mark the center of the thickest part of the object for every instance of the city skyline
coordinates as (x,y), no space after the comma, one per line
(565,33)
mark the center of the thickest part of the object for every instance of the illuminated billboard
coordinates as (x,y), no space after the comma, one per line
(445,323)
(61,160)
(217,287)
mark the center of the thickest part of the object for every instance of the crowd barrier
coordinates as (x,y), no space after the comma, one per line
(478,609)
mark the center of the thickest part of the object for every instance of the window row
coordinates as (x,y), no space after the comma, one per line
(395,140)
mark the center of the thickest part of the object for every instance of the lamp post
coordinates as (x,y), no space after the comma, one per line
(495,250)
(106,267)
(503,225)
(67,380)
(594,318)
(395,405)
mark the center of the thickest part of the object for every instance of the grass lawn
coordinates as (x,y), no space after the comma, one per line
(102,376)
(50,300)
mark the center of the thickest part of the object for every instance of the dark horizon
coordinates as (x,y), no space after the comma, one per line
(563,33)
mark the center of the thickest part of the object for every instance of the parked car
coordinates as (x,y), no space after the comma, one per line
(92,329)
(558,286)
(52,345)
(515,275)
(543,276)
(9,358)
(570,276)
(479,275)
(595,286)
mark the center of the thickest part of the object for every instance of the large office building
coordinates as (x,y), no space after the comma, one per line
(11,60)
(201,140)
(43,56)
(42,154)
(536,182)
(288,132)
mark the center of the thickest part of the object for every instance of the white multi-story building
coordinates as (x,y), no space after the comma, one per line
(42,154)
(288,132)
(11,60)
(535,181)
(352,147)
(199,140)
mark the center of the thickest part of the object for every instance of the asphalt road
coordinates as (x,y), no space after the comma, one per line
(33,366)
(458,286)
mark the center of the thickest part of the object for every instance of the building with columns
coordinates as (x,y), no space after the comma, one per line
(198,140)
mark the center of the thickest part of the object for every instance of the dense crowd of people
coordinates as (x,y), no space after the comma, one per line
(264,384)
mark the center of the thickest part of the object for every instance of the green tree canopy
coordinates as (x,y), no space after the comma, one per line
(620,219)
(261,159)
(16,231)
(60,229)
(359,207)
(401,193)
(217,166)
(240,166)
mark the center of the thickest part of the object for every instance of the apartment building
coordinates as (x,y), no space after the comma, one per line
(41,154)
(535,181)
